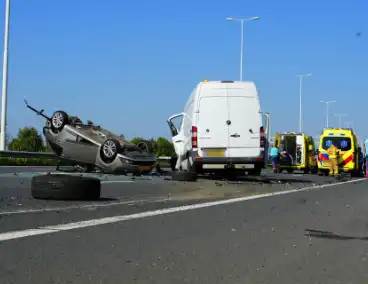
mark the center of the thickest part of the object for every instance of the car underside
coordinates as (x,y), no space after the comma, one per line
(90,147)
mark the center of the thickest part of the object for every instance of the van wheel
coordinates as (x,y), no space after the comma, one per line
(290,171)
(314,171)
(255,172)
(173,161)
(183,176)
(306,171)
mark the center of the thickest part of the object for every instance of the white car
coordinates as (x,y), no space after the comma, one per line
(220,129)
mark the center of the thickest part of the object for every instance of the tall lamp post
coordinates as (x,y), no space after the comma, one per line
(4,91)
(340,116)
(242,20)
(327,109)
(300,98)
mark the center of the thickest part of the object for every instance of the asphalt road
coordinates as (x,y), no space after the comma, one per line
(255,241)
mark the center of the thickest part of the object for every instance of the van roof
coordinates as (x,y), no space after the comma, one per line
(335,129)
(292,133)
(247,83)
(338,132)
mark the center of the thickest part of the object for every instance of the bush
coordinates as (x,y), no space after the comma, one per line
(27,162)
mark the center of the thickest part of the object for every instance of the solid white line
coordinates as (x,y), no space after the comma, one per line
(25,233)
(115,219)
(87,206)
(116,181)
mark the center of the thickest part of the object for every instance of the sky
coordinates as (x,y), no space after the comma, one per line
(129,65)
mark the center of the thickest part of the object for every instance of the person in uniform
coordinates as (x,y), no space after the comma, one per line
(332,152)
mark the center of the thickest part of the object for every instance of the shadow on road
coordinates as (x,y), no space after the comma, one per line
(107,199)
(331,236)
(261,179)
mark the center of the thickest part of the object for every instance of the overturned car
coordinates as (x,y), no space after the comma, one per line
(90,146)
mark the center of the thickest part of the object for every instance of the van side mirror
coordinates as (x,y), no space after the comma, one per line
(310,148)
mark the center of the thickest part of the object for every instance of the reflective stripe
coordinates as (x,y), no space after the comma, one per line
(332,156)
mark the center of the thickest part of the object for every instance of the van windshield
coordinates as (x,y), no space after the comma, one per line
(343,143)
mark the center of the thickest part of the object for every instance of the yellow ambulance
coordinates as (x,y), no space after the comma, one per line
(300,150)
(346,141)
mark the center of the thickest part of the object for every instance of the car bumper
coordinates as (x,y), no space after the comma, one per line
(131,164)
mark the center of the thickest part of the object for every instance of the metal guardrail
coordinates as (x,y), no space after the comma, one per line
(47,155)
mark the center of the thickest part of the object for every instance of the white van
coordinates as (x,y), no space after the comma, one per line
(221,128)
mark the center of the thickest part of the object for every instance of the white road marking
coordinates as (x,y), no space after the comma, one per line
(116,181)
(87,206)
(121,218)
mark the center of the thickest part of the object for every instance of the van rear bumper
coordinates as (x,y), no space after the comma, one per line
(226,163)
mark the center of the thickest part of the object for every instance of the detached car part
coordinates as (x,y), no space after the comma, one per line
(65,187)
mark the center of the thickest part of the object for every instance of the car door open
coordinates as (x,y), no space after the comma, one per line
(177,135)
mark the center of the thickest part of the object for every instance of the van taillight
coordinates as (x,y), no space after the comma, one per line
(194,137)
(262,137)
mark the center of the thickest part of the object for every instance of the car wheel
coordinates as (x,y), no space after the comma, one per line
(290,171)
(109,149)
(184,176)
(144,146)
(58,120)
(65,187)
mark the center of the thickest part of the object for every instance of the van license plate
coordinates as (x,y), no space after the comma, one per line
(214,152)
(244,166)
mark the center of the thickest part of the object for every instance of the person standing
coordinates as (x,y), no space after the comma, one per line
(332,152)
(274,154)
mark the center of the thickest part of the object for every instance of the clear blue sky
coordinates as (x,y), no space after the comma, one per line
(128,65)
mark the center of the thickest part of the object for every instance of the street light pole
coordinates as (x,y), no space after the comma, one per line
(349,124)
(242,20)
(327,109)
(4,92)
(340,116)
(300,98)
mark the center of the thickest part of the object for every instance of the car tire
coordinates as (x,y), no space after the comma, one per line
(183,176)
(65,187)
(290,171)
(58,120)
(144,146)
(109,150)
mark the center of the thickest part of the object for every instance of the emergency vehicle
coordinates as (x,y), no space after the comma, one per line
(346,141)
(301,150)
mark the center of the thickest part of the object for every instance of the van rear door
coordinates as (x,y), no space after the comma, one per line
(245,123)
(213,130)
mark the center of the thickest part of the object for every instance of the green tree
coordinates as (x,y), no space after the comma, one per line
(28,139)
(164,148)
